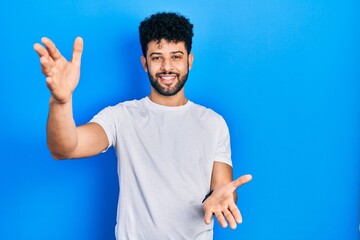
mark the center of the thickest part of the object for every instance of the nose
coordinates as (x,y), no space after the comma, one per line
(166,65)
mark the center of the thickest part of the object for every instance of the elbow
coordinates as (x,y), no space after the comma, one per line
(59,152)
(59,156)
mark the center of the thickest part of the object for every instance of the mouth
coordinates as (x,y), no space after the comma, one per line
(167,78)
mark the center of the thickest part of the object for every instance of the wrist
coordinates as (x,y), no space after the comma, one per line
(54,101)
(207,195)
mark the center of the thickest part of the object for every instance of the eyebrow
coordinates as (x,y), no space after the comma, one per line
(176,52)
(159,53)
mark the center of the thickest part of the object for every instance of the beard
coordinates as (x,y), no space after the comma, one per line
(168,91)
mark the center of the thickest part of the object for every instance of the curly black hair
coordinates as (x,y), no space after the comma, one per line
(170,26)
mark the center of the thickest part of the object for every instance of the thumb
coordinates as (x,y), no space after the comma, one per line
(240,181)
(77,51)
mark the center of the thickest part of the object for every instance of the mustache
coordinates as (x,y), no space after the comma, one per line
(167,73)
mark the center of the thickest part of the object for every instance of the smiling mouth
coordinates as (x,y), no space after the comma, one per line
(167,78)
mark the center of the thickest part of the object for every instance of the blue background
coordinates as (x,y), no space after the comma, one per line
(284,74)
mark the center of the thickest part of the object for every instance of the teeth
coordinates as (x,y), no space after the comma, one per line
(167,78)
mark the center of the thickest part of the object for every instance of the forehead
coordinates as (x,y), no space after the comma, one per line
(164,46)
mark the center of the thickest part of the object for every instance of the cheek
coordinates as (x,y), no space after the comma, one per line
(152,70)
(183,67)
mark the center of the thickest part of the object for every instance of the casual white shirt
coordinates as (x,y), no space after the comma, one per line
(165,159)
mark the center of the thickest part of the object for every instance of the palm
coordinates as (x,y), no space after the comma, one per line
(222,193)
(65,78)
(62,76)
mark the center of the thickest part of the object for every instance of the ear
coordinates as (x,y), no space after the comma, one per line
(190,59)
(143,63)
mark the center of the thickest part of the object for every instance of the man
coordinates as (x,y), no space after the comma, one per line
(171,152)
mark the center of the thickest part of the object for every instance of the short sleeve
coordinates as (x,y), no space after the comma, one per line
(223,149)
(106,119)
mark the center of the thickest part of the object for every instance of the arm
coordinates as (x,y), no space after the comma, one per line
(64,138)
(222,202)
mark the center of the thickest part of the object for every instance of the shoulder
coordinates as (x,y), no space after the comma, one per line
(117,111)
(207,114)
(126,105)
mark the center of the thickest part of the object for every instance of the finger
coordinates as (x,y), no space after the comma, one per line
(77,51)
(240,181)
(46,65)
(50,83)
(221,219)
(235,212)
(51,48)
(208,216)
(43,54)
(40,50)
(229,218)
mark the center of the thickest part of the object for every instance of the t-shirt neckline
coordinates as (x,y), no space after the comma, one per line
(156,106)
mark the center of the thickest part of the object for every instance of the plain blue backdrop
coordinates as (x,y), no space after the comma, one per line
(284,74)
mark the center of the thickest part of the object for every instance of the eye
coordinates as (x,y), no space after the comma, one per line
(176,57)
(156,58)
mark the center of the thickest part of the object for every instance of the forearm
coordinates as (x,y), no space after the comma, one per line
(61,129)
(221,174)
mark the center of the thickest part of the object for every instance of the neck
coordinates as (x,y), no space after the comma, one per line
(170,101)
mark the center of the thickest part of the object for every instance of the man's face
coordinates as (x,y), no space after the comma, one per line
(167,64)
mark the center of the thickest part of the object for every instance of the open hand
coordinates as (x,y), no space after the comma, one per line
(222,204)
(62,76)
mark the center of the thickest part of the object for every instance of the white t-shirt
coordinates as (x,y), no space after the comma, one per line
(165,159)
